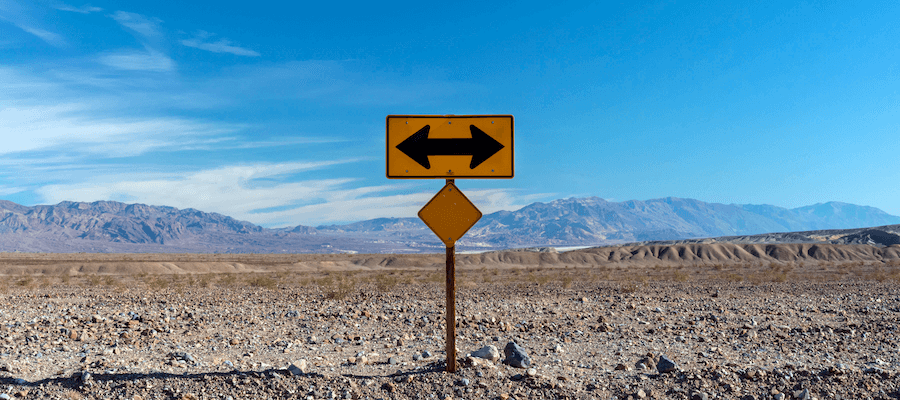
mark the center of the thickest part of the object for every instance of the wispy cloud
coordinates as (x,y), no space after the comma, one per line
(142,25)
(70,128)
(199,41)
(47,36)
(136,60)
(85,9)
(235,190)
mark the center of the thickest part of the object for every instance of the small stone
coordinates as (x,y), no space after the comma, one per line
(299,367)
(641,394)
(416,357)
(778,396)
(665,364)
(622,367)
(699,396)
(426,354)
(233,342)
(489,352)
(802,394)
(394,361)
(4,396)
(464,382)
(516,356)
(531,372)
(558,348)
(362,360)
(504,396)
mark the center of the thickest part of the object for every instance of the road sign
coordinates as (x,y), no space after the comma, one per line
(450,214)
(451,146)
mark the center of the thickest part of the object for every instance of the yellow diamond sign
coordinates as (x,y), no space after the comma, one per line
(450,214)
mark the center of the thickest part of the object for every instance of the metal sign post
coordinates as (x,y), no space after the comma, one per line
(433,146)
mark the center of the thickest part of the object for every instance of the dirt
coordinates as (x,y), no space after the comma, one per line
(733,332)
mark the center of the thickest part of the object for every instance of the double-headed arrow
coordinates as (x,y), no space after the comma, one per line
(480,146)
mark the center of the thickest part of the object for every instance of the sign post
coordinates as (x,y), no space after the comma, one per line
(449,147)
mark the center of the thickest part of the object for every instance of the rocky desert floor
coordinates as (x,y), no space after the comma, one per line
(251,327)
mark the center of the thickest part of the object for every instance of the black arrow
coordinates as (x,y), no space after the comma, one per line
(480,146)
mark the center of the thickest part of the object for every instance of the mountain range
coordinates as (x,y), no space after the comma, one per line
(108,226)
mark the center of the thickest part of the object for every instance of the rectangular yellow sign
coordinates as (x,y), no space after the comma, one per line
(449,146)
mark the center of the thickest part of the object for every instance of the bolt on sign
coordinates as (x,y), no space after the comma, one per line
(449,147)
(465,146)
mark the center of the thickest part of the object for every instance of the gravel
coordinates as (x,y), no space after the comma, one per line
(765,341)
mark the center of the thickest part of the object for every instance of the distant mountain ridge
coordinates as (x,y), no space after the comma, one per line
(593,220)
(108,226)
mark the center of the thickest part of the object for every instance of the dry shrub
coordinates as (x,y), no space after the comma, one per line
(262,281)
(337,289)
(385,282)
(628,288)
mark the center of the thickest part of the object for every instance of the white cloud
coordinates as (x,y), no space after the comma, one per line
(144,26)
(235,190)
(47,36)
(85,9)
(220,46)
(67,128)
(135,60)
(253,193)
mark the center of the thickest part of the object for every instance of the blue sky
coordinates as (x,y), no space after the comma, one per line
(274,113)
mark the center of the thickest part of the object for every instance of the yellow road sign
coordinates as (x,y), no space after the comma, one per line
(451,146)
(449,214)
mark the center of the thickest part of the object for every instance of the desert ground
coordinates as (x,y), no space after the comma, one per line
(689,322)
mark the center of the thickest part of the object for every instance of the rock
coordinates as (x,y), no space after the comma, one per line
(778,396)
(641,394)
(802,394)
(183,357)
(531,372)
(426,354)
(699,396)
(516,356)
(394,361)
(489,352)
(464,382)
(299,367)
(665,365)
(416,357)
(558,348)
(4,396)
(622,367)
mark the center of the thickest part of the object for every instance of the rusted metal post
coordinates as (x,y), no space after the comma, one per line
(451,306)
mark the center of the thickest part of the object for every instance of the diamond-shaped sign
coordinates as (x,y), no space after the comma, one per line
(450,214)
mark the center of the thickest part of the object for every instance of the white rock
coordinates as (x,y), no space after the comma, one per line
(299,367)
(488,352)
